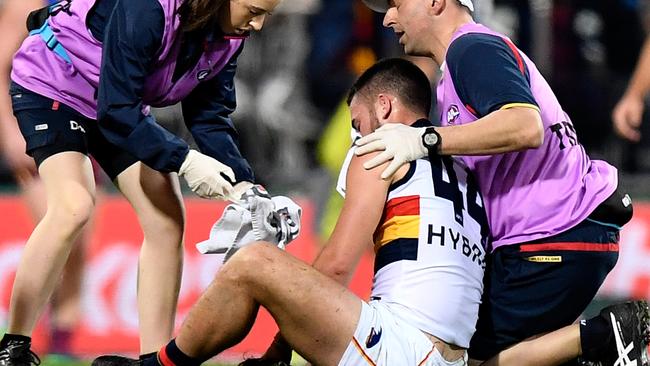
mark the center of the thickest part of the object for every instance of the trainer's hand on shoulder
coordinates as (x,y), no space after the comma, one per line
(206,176)
(626,117)
(400,144)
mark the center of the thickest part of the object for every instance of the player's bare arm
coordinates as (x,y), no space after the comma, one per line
(361,212)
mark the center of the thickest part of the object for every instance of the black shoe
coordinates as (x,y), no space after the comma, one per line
(630,324)
(17,353)
(115,361)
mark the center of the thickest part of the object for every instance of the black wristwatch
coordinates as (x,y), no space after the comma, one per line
(431,140)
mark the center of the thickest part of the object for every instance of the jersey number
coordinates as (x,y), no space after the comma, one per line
(451,191)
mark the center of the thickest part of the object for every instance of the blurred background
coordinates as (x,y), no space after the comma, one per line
(294,127)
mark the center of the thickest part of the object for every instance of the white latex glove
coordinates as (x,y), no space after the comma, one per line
(204,176)
(400,144)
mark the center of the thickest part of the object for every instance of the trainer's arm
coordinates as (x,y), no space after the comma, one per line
(505,130)
(207,115)
(132,37)
(491,77)
(363,207)
(493,82)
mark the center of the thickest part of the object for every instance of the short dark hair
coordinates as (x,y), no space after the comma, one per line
(399,77)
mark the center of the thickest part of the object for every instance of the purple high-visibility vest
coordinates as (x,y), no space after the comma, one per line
(534,193)
(75,83)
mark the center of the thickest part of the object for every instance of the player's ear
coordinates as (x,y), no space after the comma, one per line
(383,106)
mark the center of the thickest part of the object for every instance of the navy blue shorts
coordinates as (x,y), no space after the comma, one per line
(544,285)
(51,127)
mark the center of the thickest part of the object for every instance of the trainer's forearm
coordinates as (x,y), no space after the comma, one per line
(501,131)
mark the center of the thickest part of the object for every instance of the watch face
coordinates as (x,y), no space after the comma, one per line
(430,139)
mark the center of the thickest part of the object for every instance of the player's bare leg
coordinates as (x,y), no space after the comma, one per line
(550,349)
(70,189)
(316,315)
(157,200)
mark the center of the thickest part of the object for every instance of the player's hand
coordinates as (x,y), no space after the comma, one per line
(400,144)
(206,176)
(627,117)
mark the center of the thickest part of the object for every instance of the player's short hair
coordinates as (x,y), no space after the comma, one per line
(398,77)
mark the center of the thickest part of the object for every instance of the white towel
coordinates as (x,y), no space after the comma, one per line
(275,220)
(341,181)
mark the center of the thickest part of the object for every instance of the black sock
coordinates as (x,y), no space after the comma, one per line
(147,355)
(14,337)
(595,335)
(150,361)
(172,353)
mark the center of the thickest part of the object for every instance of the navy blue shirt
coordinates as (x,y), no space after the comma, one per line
(131,33)
(486,73)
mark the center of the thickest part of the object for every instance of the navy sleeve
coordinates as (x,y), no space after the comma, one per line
(207,114)
(487,73)
(132,37)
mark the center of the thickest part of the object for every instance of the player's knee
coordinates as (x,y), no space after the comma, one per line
(253,254)
(252,259)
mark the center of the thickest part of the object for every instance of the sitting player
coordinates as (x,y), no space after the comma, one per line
(428,268)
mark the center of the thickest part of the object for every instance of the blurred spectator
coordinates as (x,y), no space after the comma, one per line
(628,112)
(596,44)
